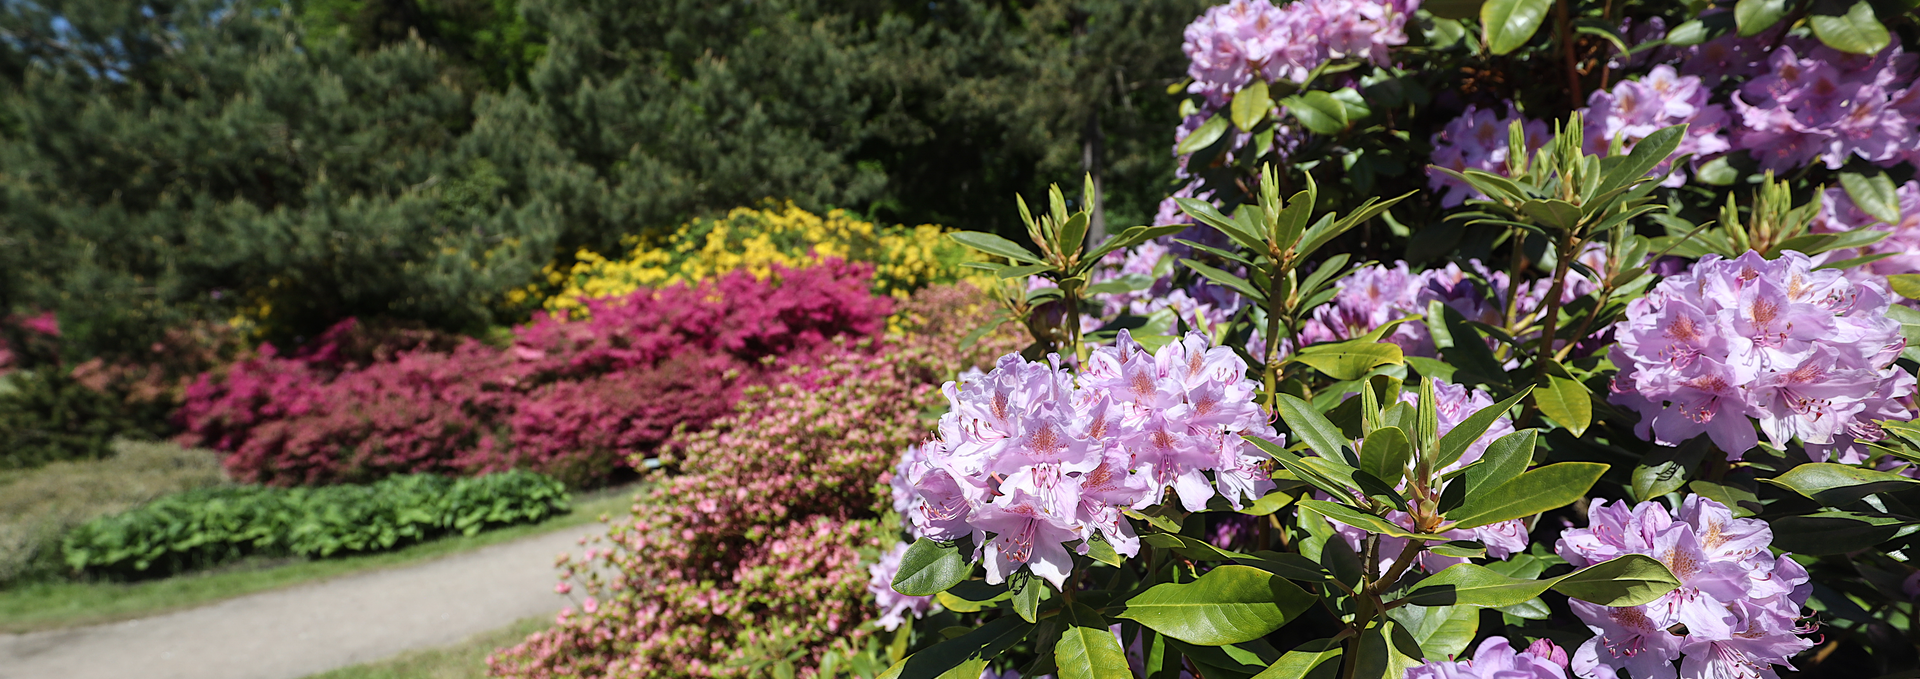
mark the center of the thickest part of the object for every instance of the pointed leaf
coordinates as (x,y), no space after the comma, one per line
(1856,30)
(1547,488)
(1754,16)
(1629,580)
(1228,605)
(1308,424)
(1086,649)
(1873,195)
(1250,105)
(1838,484)
(1461,437)
(1349,360)
(1317,659)
(1506,459)
(1208,133)
(1441,631)
(964,656)
(1318,112)
(1511,23)
(1385,453)
(1364,521)
(1647,154)
(994,245)
(929,567)
(1567,402)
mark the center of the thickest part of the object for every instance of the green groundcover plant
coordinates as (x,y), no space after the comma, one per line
(211,525)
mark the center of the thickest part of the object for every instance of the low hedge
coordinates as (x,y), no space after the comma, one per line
(207,526)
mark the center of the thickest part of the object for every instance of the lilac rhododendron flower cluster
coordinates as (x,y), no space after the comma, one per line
(1735,614)
(1029,458)
(1377,294)
(1838,214)
(1807,353)
(1456,403)
(1663,98)
(1477,140)
(1234,43)
(1817,103)
(1497,659)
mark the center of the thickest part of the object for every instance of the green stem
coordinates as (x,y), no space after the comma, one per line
(1562,261)
(1513,278)
(1272,377)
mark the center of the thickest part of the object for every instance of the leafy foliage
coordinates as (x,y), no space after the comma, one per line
(204,527)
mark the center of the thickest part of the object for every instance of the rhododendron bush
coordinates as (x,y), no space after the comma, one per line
(574,398)
(1623,460)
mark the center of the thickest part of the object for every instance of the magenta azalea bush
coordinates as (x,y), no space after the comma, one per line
(572,397)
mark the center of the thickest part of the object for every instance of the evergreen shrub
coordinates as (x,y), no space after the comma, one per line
(207,526)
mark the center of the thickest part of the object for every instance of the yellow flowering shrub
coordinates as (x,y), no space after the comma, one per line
(904,258)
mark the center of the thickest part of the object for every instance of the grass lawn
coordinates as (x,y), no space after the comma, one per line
(48,605)
(467,659)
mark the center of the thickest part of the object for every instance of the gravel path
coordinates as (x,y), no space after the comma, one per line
(294,632)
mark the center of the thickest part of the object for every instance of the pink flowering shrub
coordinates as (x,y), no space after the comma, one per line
(752,545)
(574,398)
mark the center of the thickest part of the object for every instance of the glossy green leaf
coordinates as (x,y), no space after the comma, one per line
(1754,16)
(1228,605)
(1086,650)
(1837,532)
(1317,659)
(1441,631)
(1834,485)
(1874,195)
(1312,427)
(1287,565)
(1208,133)
(929,567)
(1567,402)
(1506,459)
(1664,470)
(1646,155)
(1192,548)
(1855,30)
(1250,105)
(1349,360)
(994,245)
(1318,112)
(1553,213)
(1386,652)
(1905,285)
(1511,23)
(1364,521)
(1462,436)
(1385,453)
(1629,580)
(962,657)
(1544,489)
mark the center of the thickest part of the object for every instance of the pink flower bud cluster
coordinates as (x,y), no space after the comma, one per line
(1496,659)
(1663,98)
(1736,613)
(1838,213)
(1817,103)
(1807,353)
(1477,140)
(753,549)
(1234,43)
(1029,458)
(1456,403)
